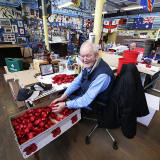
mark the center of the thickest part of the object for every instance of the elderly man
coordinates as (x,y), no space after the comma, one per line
(94,83)
(132,46)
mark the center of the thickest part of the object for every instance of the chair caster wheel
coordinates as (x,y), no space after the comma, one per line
(87,140)
(115,146)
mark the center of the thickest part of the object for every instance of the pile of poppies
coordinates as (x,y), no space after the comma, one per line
(35,121)
(62,78)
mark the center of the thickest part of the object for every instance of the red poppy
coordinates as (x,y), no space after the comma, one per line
(56,132)
(148,66)
(74,119)
(62,78)
(32,148)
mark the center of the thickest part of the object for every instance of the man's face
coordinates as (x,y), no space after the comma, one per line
(88,57)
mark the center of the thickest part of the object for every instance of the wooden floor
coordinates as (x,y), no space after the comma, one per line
(145,145)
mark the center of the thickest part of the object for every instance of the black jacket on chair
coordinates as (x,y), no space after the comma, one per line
(127,102)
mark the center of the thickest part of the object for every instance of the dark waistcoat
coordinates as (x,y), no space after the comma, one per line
(88,78)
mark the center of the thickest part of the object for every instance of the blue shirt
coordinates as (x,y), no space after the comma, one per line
(97,86)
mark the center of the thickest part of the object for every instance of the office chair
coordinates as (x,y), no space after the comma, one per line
(94,116)
(150,81)
(121,108)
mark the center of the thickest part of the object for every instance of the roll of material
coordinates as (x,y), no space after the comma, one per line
(37,62)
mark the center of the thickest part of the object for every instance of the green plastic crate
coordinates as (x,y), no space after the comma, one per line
(14,64)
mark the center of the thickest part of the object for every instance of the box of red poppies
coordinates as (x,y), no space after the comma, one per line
(36,127)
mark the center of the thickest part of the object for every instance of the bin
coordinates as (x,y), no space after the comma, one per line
(125,61)
(14,64)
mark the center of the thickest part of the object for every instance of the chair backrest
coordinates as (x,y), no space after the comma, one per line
(127,102)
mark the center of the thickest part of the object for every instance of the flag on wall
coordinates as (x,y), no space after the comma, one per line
(122,21)
(110,26)
(141,24)
(147,4)
(148,20)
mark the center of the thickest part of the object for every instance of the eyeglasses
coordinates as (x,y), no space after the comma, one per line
(87,57)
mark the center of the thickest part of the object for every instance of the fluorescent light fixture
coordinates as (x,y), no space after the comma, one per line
(132,8)
(65,4)
(105,12)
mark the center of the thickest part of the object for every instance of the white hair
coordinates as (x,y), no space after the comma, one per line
(133,44)
(95,47)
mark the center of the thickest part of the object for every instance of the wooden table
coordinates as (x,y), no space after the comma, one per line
(113,61)
(9,46)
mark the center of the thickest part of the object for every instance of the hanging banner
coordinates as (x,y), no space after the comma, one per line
(147,4)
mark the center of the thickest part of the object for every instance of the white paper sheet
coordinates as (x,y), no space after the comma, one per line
(147,119)
(152,101)
(153,105)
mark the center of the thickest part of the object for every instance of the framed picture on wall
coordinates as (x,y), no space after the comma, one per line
(21,31)
(7,29)
(9,37)
(21,40)
(20,23)
(14,28)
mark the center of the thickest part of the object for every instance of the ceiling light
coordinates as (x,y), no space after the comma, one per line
(65,4)
(132,8)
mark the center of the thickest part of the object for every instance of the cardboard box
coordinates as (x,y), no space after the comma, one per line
(33,145)
(14,87)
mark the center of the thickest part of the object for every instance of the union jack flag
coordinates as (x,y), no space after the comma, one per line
(148,20)
(138,24)
(147,4)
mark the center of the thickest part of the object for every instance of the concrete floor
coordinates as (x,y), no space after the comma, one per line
(145,145)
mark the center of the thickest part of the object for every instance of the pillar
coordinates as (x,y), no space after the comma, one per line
(98,19)
(44,14)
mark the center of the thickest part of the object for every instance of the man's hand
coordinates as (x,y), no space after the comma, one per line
(57,100)
(59,107)
(60,99)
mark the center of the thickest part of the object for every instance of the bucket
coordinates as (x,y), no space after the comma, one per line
(130,54)
(125,61)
